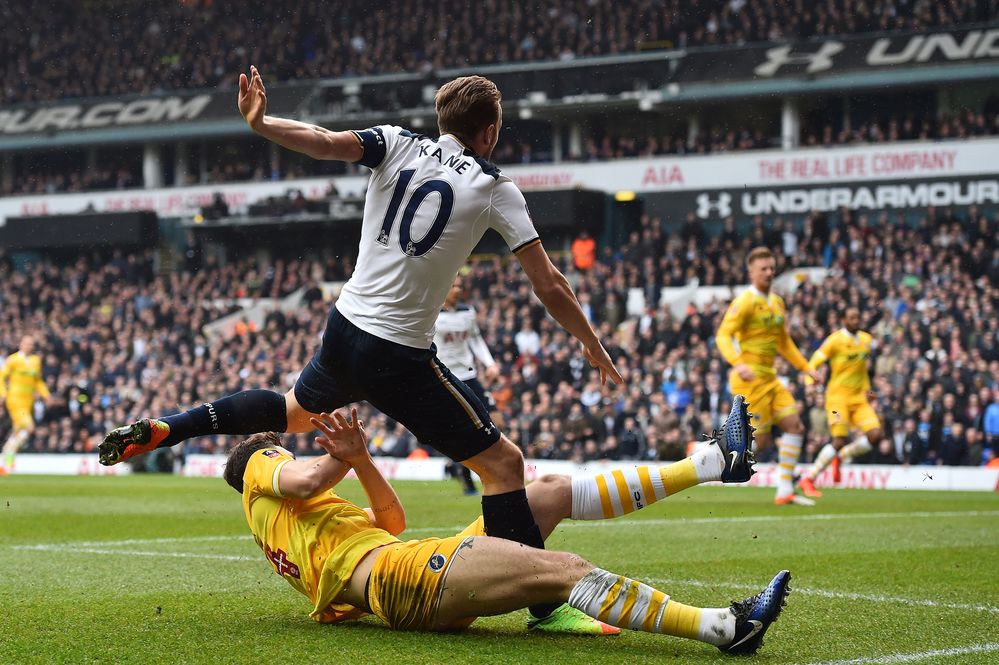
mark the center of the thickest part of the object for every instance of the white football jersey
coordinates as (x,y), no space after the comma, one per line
(459,342)
(428,203)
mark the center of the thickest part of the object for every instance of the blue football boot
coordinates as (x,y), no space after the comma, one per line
(754,615)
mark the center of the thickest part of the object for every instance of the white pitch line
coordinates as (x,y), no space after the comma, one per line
(915,657)
(102,550)
(571,524)
(784,517)
(153,541)
(839,595)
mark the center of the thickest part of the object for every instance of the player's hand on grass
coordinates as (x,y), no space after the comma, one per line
(346,441)
(252,98)
(599,359)
(745,372)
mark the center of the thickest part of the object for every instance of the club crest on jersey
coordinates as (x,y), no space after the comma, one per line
(437,562)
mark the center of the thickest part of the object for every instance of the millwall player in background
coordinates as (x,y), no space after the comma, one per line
(20,381)
(755,320)
(848,351)
(428,203)
(459,344)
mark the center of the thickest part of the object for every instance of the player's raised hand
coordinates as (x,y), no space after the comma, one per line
(252,100)
(599,359)
(346,441)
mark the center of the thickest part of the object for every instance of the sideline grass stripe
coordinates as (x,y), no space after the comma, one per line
(891,659)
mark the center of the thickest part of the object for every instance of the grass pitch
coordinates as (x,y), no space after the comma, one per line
(161,569)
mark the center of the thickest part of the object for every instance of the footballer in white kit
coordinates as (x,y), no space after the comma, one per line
(459,344)
(428,204)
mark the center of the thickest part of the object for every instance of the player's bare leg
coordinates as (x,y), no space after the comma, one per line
(500,467)
(490,576)
(726,456)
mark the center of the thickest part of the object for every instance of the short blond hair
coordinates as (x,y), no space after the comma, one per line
(466,105)
(757,253)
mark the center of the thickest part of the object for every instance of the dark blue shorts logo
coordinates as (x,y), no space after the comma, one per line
(437,562)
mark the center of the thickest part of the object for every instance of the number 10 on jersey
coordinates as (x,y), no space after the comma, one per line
(409,245)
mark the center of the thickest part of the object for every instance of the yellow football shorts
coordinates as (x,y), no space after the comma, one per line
(769,401)
(407,581)
(846,410)
(20,413)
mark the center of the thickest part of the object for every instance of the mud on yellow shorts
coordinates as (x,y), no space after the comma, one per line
(407,580)
(850,410)
(20,414)
(769,401)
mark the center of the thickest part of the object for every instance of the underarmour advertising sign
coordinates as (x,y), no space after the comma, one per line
(709,205)
(817,57)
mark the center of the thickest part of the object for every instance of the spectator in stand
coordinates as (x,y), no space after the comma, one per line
(584,251)
(990,422)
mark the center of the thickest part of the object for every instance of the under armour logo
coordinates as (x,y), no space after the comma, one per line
(722,206)
(817,62)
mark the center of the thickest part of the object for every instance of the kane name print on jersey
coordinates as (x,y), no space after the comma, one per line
(429,202)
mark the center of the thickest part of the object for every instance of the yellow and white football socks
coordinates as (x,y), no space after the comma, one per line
(822,460)
(856,448)
(628,603)
(11,446)
(859,446)
(789,451)
(624,491)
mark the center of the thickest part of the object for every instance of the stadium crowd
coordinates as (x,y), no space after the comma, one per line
(121,340)
(199,43)
(599,146)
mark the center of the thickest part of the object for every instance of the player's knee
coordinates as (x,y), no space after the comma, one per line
(501,464)
(509,459)
(874,436)
(553,482)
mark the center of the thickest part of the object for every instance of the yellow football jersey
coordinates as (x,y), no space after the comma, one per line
(847,355)
(313,543)
(757,322)
(21,377)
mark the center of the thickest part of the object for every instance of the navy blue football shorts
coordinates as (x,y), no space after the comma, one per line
(407,384)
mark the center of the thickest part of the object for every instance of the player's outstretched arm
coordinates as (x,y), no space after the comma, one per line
(553,289)
(787,348)
(348,441)
(315,141)
(304,478)
(818,359)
